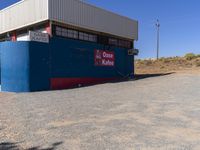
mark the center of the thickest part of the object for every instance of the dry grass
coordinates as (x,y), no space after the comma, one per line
(170,64)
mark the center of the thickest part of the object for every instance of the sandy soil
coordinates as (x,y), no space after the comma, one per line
(167,65)
(152,113)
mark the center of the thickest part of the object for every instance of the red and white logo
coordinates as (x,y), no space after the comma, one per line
(104,58)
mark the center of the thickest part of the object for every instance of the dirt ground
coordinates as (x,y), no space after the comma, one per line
(167,65)
(158,111)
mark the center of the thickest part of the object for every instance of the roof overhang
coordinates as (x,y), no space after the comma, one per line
(72,12)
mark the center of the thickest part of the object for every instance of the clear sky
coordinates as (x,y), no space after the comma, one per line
(180,23)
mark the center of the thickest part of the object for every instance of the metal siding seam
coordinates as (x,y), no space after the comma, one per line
(47,9)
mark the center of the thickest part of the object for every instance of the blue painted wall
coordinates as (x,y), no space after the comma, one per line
(39,63)
(0,62)
(29,66)
(25,66)
(15,66)
(73,58)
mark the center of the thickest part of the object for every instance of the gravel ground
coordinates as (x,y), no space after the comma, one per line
(158,113)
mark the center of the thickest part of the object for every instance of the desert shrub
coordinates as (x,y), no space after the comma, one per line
(190,56)
(197,63)
(181,61)
(166,61)
(162,58)
(139,61)
(162,67)
(171,59)
(198,56)
(147,62)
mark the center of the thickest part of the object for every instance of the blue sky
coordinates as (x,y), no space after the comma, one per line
(5,3)
(180,23)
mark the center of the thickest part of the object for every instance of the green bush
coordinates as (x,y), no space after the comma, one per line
(190,56)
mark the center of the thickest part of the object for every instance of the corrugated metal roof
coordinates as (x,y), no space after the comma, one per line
(72,12)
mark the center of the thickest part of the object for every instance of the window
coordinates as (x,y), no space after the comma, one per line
(81,35)
(74,34)
(87,37)
(58,31)
(2,38)
(63,32)
(125,44)
(103,40)
(128,44)
(68,33)
(121,43)
(113,41)
(92,38)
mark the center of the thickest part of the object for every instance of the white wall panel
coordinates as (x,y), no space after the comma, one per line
(23,13)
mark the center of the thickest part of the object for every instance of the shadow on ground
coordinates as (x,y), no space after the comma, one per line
(123,79)
(14,146)
(141,76)
(144,76)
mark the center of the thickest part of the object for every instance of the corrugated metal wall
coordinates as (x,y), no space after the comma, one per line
(23,13)
(77,13)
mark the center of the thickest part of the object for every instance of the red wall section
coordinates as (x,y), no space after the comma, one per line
(63,83)
(14,36)
(48,28)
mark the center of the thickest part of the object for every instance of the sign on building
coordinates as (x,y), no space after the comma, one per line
(104,58)
(39,37)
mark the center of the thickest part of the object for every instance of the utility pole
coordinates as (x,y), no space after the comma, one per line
(158,37)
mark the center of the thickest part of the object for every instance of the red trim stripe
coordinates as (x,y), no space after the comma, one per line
(65,83)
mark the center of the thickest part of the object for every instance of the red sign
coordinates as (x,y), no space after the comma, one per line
(104,58)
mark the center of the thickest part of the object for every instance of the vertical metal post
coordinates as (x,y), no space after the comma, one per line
(158,37)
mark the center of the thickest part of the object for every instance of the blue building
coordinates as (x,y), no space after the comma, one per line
(50,45)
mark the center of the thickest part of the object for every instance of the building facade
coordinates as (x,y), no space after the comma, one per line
(50,45)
